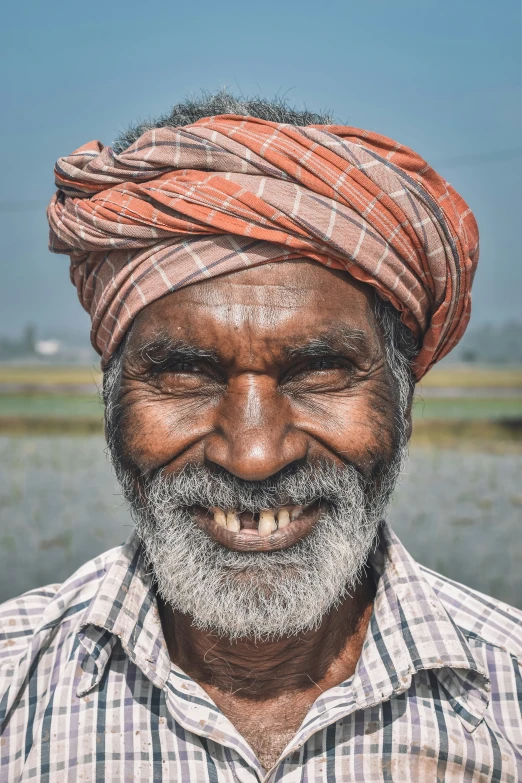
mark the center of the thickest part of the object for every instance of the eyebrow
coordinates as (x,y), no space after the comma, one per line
(163,350)
(340,340)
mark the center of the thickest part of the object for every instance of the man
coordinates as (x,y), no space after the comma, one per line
(265,288)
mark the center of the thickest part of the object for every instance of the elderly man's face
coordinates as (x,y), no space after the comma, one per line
(245,384)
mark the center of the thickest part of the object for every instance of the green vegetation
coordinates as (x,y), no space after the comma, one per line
(51,405)
(473,435)
(490,408)
(48,375)
(447,376)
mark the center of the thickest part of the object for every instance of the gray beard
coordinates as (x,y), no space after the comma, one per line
(259,595)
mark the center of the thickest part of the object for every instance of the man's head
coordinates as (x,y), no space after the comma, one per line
(258,396)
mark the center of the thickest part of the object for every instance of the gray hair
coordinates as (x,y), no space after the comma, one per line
(222,102)
(400,348)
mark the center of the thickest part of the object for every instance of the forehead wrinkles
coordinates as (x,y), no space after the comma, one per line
(260,311)
(267,295)
(253,315)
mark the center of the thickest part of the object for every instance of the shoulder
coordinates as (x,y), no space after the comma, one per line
(478,616)
(47,608)
(20,616)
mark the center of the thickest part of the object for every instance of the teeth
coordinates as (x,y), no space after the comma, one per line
(233,522)
(283,518)
(267,523)
(267,518)
(219,516)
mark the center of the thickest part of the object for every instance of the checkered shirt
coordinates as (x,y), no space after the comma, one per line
(88,692)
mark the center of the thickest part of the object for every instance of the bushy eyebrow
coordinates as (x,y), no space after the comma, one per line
(341,340)
(162,351)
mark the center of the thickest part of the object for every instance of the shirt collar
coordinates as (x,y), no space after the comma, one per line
(125,608)
(410,630)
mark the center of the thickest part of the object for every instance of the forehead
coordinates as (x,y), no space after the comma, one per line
(273,302)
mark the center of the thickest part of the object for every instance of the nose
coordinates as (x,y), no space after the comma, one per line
(253,436)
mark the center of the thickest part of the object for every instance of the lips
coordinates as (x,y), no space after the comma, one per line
(266,530)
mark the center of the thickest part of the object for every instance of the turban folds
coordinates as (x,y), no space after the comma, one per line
(184,204)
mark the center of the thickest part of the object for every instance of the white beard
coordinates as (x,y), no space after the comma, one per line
(259,595)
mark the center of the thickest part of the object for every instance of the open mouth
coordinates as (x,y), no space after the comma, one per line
(267,529)
(261,523)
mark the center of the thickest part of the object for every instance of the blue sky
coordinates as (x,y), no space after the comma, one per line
(443,77)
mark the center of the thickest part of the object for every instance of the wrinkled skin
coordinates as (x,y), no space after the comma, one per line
(252,372)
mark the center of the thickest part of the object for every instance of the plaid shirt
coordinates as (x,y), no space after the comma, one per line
(88,692)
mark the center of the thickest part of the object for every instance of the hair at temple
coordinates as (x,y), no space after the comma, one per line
(222,102)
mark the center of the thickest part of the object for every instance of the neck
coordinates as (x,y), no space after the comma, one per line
(265,670)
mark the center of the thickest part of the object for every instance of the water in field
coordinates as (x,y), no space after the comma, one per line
(459,513)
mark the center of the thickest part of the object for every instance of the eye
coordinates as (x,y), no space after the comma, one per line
(320,373)
(324,364)
(184,367)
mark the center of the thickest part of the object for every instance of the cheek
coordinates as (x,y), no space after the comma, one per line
(155,429)
(359,428)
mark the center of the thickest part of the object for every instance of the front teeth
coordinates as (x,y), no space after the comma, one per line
(267,519)
(283,518)
(267,523)
(233,523)
(219,516)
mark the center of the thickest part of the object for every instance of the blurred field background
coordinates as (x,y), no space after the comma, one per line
(452,92)
(458,507)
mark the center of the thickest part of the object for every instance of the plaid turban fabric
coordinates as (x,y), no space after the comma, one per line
(184,204)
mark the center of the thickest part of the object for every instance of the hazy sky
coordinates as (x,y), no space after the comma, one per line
(443,77)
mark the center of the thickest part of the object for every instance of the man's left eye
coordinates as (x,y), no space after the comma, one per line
(324,364)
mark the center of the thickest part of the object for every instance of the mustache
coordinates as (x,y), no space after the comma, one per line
(300,484)
(257,594)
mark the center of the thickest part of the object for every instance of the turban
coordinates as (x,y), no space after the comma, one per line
(184,204)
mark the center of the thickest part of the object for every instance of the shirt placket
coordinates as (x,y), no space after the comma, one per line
(335,705)
(191,708)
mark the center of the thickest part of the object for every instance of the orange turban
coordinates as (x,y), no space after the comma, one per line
(185,204)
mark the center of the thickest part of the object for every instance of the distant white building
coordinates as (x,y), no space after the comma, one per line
(47,347)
